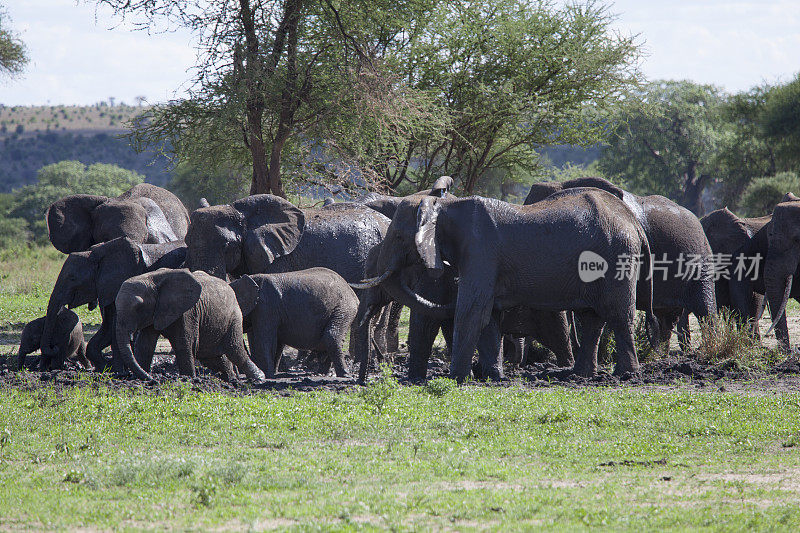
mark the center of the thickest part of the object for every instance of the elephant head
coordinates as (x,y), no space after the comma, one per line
(145,213)
(245,236)
(156,299)
(783,257)
(725,231)
(94,277)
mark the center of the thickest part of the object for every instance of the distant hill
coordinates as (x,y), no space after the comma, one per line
(34,136)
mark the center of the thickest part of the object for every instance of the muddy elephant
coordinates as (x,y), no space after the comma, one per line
(95,276)
(67,338)
(777,245)
(144,214)
(673,232)
(508,255)
(267,234)
(199,315)
(310,309)
(728,234)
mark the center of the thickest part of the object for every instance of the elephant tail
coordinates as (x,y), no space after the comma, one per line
(645,290)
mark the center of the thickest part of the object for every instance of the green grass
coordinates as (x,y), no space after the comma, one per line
(399,458)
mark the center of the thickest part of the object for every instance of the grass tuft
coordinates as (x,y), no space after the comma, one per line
(725,341)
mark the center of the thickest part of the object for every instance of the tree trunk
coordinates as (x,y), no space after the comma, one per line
(693,186)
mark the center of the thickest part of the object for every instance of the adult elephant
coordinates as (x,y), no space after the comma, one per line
(728,234)
(508,255)
(775,250)
(95,275)
(144,214)
(267,234)
(424,324)
(683,277)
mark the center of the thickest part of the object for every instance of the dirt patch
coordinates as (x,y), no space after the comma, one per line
(671,373)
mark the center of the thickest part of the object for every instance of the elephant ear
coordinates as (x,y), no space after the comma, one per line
(425,238)
(116,260)
(273,227)
(178,291)
(441,186)
(69,222)
(246,290)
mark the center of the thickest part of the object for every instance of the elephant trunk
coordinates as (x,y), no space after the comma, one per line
(778,287)
(124,343)
(54,306)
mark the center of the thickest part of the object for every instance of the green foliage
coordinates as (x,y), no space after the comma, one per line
(439,387)
(378,393)
(62,179)
(13,55)
(515,76)
(780,119)
(665,140)
(221,186)
(763,194)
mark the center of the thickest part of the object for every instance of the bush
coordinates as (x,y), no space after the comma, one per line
(763,194)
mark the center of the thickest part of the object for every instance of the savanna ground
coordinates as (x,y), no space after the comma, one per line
(710,443)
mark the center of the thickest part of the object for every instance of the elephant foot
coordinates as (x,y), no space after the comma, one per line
(629,370)
(584,371)
(488,373)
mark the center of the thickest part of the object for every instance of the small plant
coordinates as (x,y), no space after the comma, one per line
(74,476)
(440,387)
(204,493)
(645,351)
(378,393)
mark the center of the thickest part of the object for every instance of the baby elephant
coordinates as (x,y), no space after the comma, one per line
(197,313)
(68,337)
(307,309)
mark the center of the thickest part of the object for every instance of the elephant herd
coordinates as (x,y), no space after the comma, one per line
(577,257)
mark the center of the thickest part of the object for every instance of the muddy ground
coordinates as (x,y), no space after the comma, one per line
(673,372)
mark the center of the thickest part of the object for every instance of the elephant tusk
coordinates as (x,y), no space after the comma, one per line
(371,282)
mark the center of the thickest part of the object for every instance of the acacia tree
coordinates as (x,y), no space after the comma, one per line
(13,56)
(274,74)
(666,141)
(513,75)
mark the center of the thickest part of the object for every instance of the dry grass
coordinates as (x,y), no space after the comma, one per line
(724,340)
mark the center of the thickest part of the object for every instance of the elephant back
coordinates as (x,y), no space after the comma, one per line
(175,212)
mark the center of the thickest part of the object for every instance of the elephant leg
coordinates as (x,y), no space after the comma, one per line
(222,366)
(552,330)
(490,356)
(379,334)
(145,347)
(591,330)
(625,345)
(393,328)
(334,353)
(422,332)
(513,348)
(100,341)
(473,313)
(684,335)
(757,307)
(667,318)
(237,355)
(184,346)
(264,348)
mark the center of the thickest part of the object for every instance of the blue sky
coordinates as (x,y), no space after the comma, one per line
(81,55)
